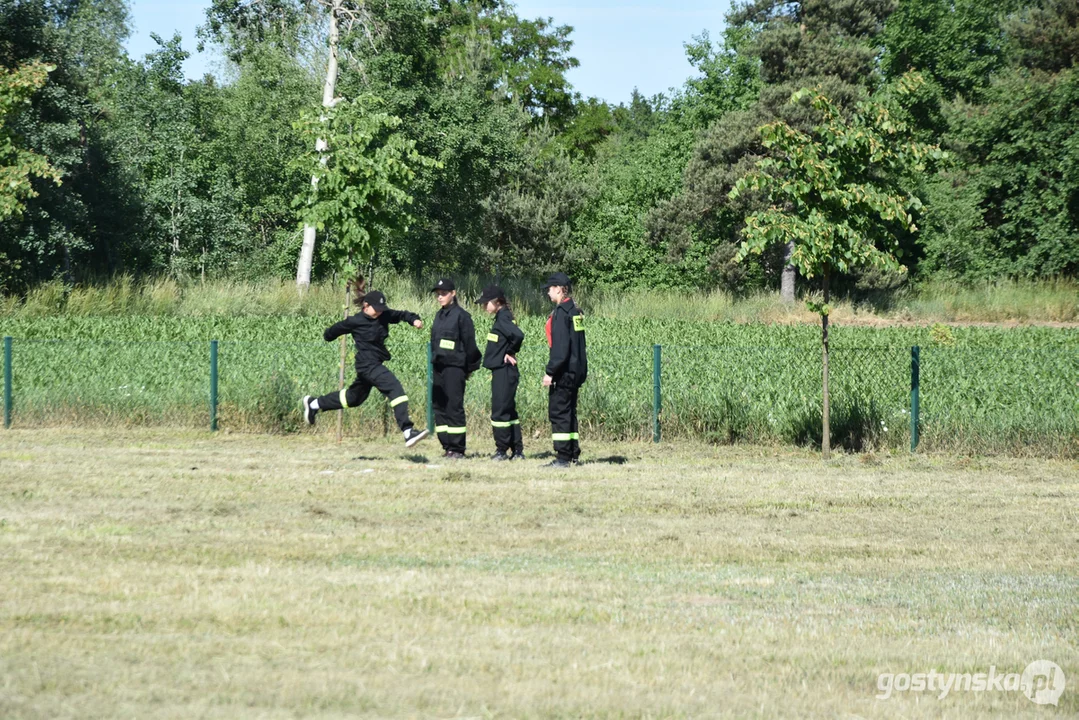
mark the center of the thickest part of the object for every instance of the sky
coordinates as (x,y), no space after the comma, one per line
(620,45)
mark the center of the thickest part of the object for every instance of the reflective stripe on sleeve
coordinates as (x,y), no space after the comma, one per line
(450,430)
(565,437)
(397,401)
(344,401)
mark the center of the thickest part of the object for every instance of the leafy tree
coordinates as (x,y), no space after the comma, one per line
(829,43)
(1047,34)
(360,193)
(1011,207)
(836,194)
(80,226)
(17,164)
(528,220)
(956,44)
(730,76)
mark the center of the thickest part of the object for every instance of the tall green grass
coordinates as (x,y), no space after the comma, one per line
(984,390)
(1053,301)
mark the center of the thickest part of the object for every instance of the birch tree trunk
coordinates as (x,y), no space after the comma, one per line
(786,283)
(307,250)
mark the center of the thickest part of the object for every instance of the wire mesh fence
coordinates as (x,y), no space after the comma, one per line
(984,399)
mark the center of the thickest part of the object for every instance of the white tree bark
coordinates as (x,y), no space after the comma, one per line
(786,283)
(307,250)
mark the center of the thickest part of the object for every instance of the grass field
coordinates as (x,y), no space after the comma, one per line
(153,574)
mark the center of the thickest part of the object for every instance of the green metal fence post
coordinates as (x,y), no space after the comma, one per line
(7,381)
(657,361)
(430,390)
(915,380)
(213,385)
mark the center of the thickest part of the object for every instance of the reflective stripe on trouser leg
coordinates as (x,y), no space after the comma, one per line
(390,387)
(448,396)
(352,396)
(562,412)
(504,381)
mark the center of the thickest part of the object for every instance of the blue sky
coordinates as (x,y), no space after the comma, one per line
(620,45)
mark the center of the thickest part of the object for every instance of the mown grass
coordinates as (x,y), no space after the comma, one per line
(183,575)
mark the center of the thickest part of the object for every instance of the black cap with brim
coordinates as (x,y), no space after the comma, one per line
(444,284)
(557,279)
(376,300)
(491,292)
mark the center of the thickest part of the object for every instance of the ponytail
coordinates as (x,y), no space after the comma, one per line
(359,289)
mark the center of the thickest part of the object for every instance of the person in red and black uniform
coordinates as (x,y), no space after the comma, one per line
(500,357)
(454,356)
(567,369)
(369,329)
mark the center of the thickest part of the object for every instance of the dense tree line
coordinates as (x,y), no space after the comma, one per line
(159,174)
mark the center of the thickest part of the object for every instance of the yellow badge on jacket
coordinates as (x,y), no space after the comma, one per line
(578,323)
(446,344)
(491,337)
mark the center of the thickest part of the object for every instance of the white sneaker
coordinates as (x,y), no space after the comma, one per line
(308,413)
(413,436)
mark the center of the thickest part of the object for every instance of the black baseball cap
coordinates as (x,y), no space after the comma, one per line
(491,292)
(557,279)
(444,284)
(376,300)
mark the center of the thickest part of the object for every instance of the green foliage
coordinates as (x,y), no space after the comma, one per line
(956,44)
(631,176)
(195,178)
(17,164)
(830,44)
(988,391)
(836,194)
(360,179)
(730,76)
(829,38)
(1011,206)
(1047,35)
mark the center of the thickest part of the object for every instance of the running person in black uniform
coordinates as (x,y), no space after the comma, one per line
(454,357)
(369,329)
(503,343)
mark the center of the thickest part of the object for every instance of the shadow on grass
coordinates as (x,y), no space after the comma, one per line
(612,460)
(416,458)
(855,426)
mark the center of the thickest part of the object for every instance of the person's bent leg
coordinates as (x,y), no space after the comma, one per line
(352,396)
(387,383)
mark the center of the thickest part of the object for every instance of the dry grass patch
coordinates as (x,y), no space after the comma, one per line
(156,574)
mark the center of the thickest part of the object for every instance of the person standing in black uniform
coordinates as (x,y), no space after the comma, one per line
(455,357)
(500,357)
(369,329)
(567,369)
